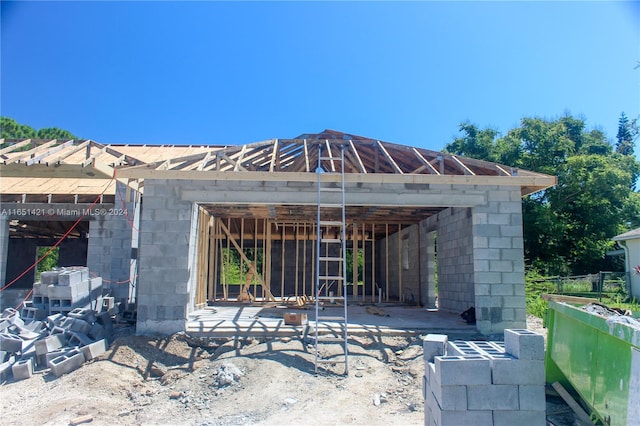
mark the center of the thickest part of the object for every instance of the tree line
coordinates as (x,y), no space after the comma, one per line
(567,228)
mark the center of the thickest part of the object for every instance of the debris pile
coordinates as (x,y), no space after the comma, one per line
(66,323)
(60,343)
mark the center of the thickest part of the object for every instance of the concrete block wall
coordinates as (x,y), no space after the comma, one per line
(498,248)
(479,253)
(109,253)
(484,383)
(455,260)
(166,274)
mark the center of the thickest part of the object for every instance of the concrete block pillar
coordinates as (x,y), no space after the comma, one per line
(4,248)
(167,260)
(499,262)
(111,237)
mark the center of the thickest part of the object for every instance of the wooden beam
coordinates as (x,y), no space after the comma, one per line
(386,241)
(230,238)
(213,260)
(238,166)
(274,156)
(354,243)
(27,155)
(373,262)
(306,157)
(15,146)
(205,161)
(465,169)
(282,258)
(297,233)
(400,264)
(36,158)
(389,158)
(424,161)
(355,153)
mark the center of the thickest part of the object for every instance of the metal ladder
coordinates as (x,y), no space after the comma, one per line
(331,254)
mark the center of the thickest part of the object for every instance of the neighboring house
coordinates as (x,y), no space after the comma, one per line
(630,242)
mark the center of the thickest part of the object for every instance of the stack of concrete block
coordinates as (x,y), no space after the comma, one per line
(485,383)
(61,343)
(63,290)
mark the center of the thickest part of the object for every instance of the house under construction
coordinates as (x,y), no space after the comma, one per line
(159,223)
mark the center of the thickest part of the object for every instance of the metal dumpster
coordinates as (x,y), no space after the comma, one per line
(597,356)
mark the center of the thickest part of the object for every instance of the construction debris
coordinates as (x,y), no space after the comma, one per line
(67,323)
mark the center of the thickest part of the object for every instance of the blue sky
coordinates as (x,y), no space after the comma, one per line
(240,72)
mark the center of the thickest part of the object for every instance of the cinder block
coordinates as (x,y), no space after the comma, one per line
(104,319)
(450,397)
(79,339)
(108,303)
(40,289)
(528,418)
(518,372)
(54,320)
(28,349)
(76,325)
(35,326)
(94,349)
(10,343)
(22,369)
(6,369)
(532,398)
(26,334)
(96,332)
(67,363)
(463,418)
(487,348)
(434,345)
(83,314)
(55,354)
(492,397)
(48,344)
(69,278)
(31,314)
(524,344)
(13,317)
(49,277)
(461,348)
(463,370)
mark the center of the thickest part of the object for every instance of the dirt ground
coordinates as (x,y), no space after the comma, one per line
(178,380)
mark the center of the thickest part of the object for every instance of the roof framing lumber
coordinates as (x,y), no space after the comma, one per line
(390,158)
(467,171)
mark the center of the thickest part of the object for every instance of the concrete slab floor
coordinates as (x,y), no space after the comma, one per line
(242,319)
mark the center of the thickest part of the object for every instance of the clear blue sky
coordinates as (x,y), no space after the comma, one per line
(240,72)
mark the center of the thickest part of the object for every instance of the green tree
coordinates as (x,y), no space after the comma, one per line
(55,133)
(626,135)
(567,228)
(10,129)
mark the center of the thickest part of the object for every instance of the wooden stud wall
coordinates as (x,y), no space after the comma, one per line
(214,234)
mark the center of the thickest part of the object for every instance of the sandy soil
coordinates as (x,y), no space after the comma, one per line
(178,380)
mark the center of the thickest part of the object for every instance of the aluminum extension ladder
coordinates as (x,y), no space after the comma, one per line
(331,254)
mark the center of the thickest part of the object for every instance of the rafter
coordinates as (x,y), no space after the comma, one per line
(424,161)
(465,169)
(389,158)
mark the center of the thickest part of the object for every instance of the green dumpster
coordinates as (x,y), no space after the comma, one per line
(599,357)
